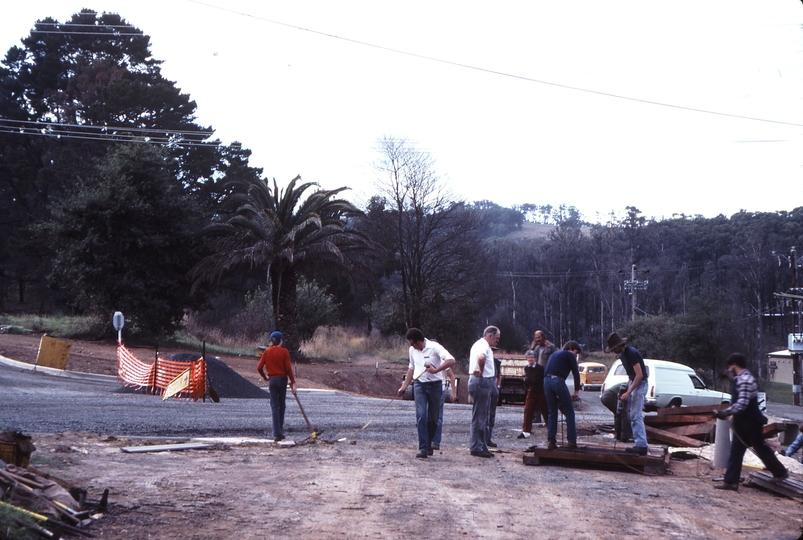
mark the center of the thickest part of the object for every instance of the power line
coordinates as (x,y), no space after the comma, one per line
(103,128)
(496,72)
(167,138)
(115,33)
(84,25)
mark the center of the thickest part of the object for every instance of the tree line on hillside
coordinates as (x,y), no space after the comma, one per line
(113,198)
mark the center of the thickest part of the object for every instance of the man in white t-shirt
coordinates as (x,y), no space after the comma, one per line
(481,382)
(428,360)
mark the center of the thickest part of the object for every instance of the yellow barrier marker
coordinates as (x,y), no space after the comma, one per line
(53,353)
(178,384)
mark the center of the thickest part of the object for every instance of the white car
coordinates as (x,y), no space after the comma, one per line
(669,385)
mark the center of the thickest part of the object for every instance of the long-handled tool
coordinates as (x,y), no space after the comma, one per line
(312,433)
(394,398)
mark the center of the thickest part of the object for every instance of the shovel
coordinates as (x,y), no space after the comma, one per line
(312,433)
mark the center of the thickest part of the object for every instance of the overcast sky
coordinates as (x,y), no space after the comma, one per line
(514,100)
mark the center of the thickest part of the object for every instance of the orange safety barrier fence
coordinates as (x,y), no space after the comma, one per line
(158,375)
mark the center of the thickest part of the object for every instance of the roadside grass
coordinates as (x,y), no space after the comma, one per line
(61,326)
(777,392)
(216,343)
(341,344)
(334,343)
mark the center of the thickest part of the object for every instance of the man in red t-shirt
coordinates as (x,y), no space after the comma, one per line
(276,360)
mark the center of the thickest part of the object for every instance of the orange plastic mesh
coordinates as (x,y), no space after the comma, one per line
(160,373)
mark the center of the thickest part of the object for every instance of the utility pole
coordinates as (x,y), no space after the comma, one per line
(795,344)
(632,286)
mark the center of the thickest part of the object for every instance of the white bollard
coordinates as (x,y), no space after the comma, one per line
(722,443)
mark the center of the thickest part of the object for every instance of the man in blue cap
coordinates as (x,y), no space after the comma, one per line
(276,360)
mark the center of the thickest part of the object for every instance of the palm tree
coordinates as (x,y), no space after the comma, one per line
(278,231)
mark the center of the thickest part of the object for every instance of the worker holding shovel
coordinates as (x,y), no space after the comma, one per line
(276,360)
(428,360)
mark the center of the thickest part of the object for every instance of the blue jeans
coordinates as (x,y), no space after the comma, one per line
(277,386)
(635,403)
(795,446)
(436,440)
(428,396)
(480,388)
(556,391)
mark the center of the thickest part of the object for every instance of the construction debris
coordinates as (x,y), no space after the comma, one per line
(165,447)
(685,423)
(41,505)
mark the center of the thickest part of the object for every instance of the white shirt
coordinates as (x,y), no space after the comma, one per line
(478,349)
(434,353)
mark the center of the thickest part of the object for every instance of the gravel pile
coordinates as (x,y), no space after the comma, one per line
(227,382)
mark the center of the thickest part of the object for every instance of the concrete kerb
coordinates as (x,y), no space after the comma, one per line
(57,372)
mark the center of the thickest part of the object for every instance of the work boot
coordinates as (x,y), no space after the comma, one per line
(727,486)
(640,450)
(780,478)
(422,454)
(430,451)
(571,445)
(491,444)
(553,445)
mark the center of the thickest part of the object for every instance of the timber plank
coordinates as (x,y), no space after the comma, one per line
(697,409)
(672,439)
(770,430)
(790,487)
(600,456)
(676,419)
(701,431)
(165,447)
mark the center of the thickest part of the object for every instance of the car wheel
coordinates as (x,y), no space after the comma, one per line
(675,403)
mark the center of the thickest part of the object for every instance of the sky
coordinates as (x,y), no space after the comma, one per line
(687,107)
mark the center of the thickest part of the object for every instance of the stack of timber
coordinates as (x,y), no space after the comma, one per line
(692,427)
(790,487)
(682,426)
(601,456)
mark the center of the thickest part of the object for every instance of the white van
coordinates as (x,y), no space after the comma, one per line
(669,385)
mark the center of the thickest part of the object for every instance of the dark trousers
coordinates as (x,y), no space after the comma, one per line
(750,435)
(535,400)
(277,386)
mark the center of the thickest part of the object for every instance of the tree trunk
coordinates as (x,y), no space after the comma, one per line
(285,309)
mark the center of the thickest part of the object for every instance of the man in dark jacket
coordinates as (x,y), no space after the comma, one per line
(748,424)
(558,368)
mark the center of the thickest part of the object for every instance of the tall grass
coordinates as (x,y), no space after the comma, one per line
(341,344)
(217,342)
(60,326)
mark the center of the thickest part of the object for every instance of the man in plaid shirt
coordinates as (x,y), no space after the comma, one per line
(748,423)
